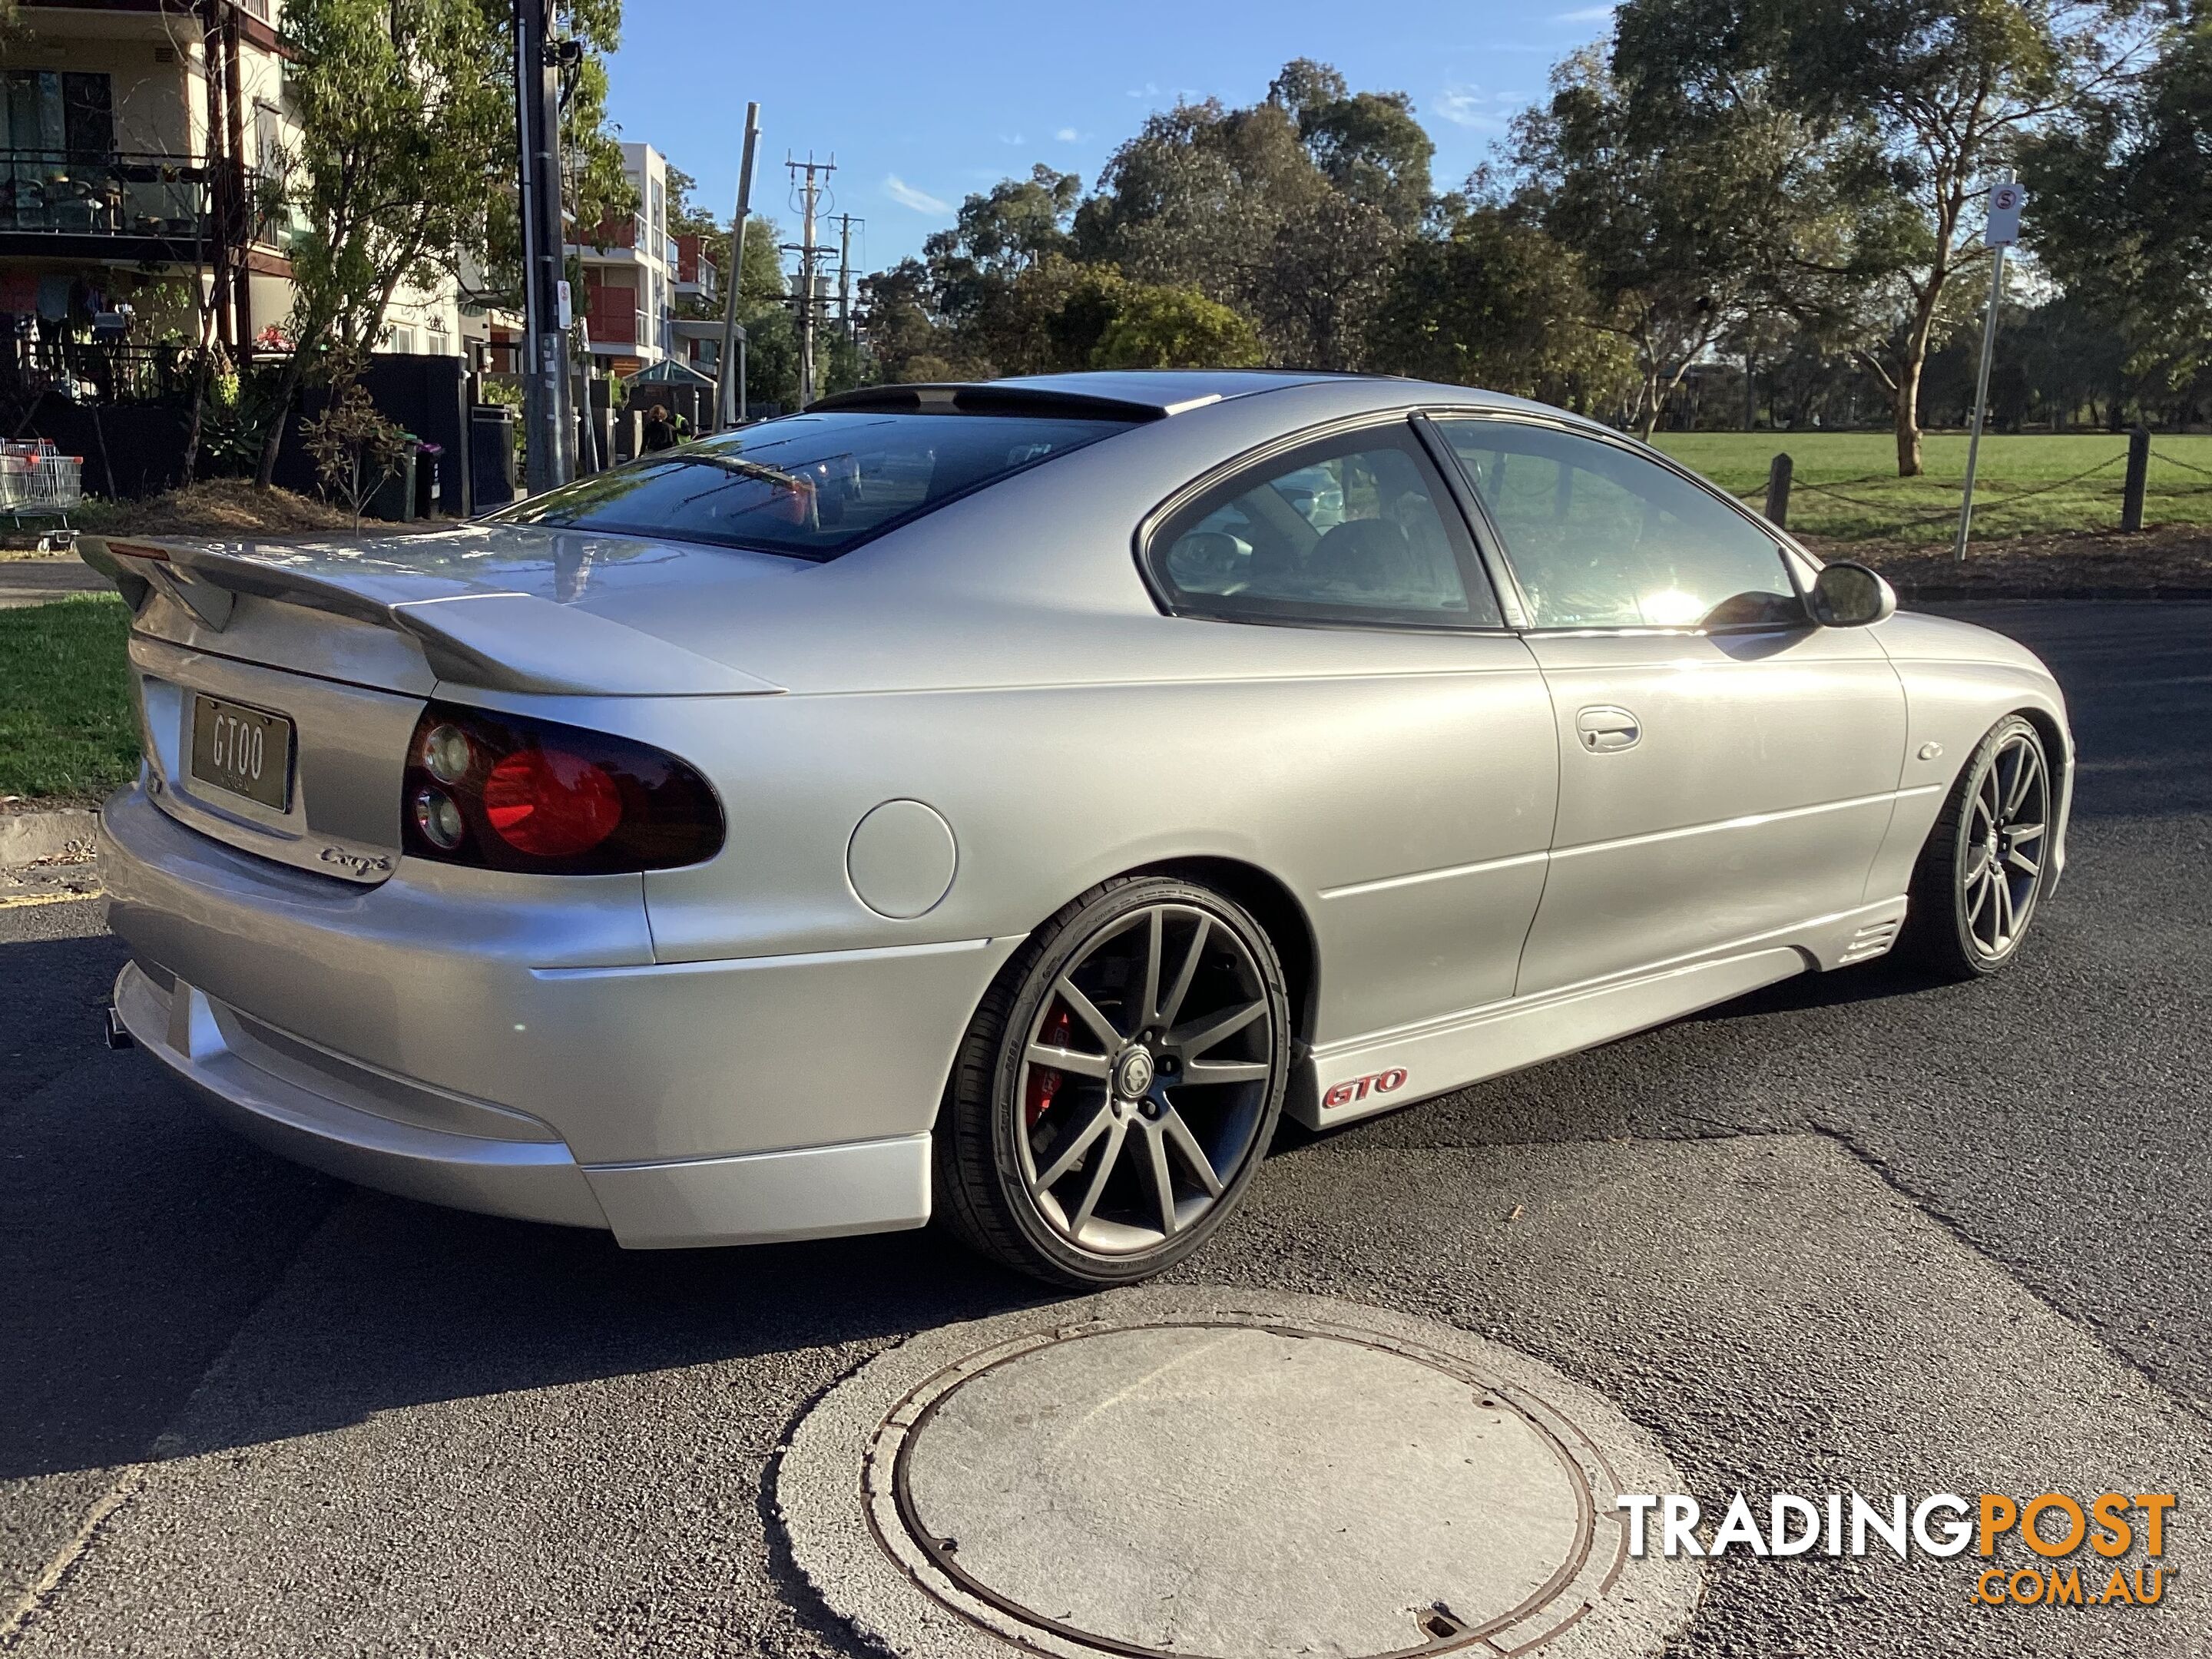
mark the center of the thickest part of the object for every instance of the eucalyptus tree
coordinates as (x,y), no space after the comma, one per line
(1924,102)
(1660,229)
(2122,188)
(1492,301)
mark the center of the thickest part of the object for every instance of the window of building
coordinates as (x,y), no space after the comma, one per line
(59,114)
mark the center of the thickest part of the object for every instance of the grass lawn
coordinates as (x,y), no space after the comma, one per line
(66,728)
(1846,483)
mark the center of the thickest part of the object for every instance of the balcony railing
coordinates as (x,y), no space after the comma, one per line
(616,324)
(63,194)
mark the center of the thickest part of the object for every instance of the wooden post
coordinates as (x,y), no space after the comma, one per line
(1778,492)
(2131,497)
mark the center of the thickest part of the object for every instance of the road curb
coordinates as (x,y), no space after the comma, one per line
(1941,593)
(59,832)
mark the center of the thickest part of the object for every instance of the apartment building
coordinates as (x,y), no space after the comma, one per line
(631,268)
(136,136)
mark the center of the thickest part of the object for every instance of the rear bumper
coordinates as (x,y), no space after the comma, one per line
(213,1051)
(321,1116)
(514,1050)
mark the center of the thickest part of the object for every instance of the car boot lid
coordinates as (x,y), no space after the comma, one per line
(505,611)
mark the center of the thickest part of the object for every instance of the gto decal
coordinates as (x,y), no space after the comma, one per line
(1381,1083)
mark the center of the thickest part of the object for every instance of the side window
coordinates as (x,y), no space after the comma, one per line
(1599,537)
(1355,528)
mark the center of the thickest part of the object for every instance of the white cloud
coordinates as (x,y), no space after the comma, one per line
(1471,106)
(1068,135)
(1582,15)
(1014,138)
(907,196)
(1149,89)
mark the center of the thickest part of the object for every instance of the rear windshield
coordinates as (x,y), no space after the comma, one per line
(808,485)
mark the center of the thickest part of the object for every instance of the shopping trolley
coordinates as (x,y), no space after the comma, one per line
(38,482)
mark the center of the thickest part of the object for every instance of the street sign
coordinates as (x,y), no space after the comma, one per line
(2005,203)
(568,316)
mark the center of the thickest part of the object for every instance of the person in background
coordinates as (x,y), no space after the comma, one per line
(658,433)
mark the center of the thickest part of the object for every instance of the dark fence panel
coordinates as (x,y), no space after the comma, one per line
(129,450)
(427,395)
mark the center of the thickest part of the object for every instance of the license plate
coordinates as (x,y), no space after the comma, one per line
(242,751)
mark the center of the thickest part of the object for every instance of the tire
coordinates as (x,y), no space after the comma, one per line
(1108,1167)
(1986,862)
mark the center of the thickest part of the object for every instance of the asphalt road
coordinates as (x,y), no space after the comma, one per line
(36,581)
(1854,1231)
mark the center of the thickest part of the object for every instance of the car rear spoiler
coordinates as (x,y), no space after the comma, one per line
(499,642)
(1044,402)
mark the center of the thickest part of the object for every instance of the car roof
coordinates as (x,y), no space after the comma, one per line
(1145,395)
(1112,394)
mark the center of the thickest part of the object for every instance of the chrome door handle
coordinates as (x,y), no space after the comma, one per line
(1605,729)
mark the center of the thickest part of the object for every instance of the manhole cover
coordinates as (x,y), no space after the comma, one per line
(1216,1475)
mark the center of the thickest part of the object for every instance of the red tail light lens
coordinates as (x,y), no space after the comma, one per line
(551,804)
(506,792)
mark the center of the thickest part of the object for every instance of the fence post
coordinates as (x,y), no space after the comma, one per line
(2131,497)
(1778,492)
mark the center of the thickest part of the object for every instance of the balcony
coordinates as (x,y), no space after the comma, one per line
(617,323)
(128,206)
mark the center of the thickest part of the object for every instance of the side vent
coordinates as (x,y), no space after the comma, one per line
(1872,940)
(165,54)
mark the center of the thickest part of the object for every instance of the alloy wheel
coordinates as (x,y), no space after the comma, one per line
(2006,833)
(1143,1080)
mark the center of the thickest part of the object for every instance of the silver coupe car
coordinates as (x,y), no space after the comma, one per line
(1003,801)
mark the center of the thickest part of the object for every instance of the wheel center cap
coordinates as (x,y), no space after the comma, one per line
(1133,1073)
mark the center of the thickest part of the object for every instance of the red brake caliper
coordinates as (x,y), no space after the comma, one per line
(1044,1082)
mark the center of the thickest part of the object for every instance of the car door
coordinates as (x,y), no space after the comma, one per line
(1727,767)
(1422,736)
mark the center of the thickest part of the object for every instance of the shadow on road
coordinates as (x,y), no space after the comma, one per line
(139,1238)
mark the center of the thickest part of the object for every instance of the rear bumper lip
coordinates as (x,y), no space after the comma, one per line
(528,1180)
(812,1191)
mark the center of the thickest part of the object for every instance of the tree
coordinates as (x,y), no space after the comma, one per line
(1290,210)
(1941,92)
(398,103)
(1327,267)
(1495,303)
(761,281)
(990,276)
(1153,327)
(1197,197)
(355,449)
(2121,194)
(1659,228)
(1367,144)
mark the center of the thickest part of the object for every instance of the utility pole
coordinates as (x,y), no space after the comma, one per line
(730,394)
(2006,201)
(809,250)
(548,416)
(845,221)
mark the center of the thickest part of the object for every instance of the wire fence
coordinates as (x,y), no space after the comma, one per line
(1871,517)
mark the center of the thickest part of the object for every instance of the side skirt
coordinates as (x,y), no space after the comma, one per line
(1342,1082)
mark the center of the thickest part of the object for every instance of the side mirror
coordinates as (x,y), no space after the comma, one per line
(1847,595)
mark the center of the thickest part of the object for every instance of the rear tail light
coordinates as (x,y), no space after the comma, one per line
(506,792)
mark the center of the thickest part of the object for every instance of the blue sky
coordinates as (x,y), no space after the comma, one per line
(924,103)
